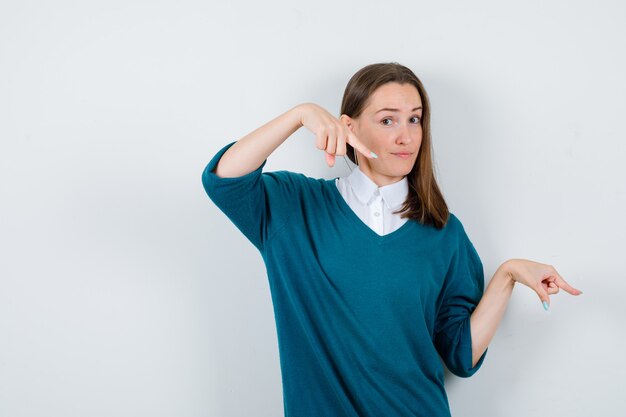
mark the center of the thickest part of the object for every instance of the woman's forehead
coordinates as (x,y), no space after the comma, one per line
(395,96)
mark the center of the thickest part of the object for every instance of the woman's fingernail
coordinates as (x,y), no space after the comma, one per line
(545,305)
(373,154)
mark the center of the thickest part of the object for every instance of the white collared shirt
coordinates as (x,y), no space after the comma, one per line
(373,204)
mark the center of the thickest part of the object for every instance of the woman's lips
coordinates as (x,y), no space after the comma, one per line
(402,155)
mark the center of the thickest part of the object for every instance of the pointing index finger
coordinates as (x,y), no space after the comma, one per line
(563,284)
(356,144)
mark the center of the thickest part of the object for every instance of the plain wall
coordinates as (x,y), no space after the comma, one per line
(125,292)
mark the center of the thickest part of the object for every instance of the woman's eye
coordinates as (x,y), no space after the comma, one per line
(414,119)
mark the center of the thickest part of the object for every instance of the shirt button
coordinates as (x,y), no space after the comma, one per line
(376,214)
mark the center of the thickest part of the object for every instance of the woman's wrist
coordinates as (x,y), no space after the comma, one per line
(298,113)
(505,274)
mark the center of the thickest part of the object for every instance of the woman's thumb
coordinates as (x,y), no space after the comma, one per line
(543,295)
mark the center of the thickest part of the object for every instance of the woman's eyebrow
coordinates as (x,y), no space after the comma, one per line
(390,109)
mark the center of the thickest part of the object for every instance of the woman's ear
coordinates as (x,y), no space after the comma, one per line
(347,120)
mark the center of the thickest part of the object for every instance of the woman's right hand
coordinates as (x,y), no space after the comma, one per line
(331,135)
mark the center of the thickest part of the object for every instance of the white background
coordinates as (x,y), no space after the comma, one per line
(125,292)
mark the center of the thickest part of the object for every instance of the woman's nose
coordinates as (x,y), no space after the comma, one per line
(404,134)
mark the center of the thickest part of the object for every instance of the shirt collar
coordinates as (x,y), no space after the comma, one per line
(364,188)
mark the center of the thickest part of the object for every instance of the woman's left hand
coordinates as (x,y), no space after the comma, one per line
(541,278)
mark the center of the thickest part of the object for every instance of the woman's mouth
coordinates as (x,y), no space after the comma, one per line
(402,155)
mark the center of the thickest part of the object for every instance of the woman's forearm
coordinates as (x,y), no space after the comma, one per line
(489,312)
(249,152)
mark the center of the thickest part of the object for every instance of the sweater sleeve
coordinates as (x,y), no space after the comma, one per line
(462,291)
(257,203)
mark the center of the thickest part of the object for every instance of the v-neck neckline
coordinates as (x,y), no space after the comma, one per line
(362,227)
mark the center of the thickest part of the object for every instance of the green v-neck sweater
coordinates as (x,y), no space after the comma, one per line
(362,319)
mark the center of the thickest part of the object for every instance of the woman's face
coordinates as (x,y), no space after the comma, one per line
(390,126)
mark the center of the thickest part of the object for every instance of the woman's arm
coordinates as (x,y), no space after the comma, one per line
(541,278)
(249,152)
(488,313)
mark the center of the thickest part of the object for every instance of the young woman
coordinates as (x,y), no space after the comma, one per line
(373,281)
